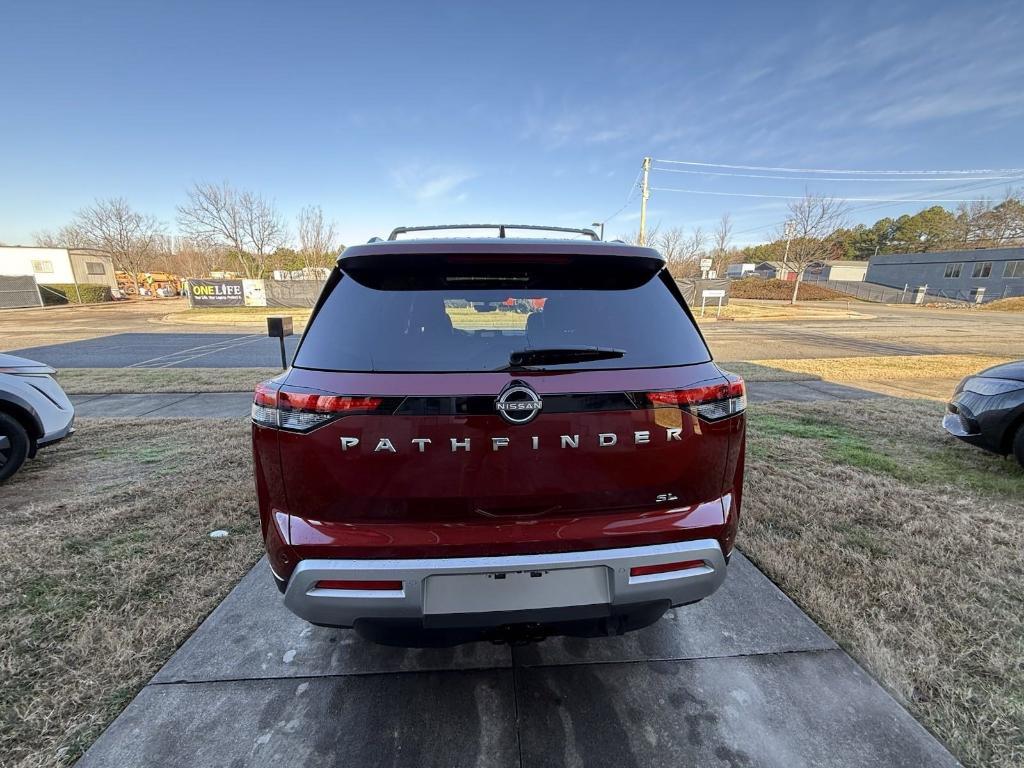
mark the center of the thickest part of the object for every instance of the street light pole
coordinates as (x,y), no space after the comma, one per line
(599,224)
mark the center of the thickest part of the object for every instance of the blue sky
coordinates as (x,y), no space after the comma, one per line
(386,113)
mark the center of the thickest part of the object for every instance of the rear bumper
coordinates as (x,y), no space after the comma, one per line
(533,588)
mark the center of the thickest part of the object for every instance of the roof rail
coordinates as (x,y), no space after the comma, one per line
(500,227)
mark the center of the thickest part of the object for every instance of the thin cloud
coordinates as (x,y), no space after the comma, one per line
(432,183)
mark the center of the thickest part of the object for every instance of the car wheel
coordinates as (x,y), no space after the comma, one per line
(1018,445)
(13,446)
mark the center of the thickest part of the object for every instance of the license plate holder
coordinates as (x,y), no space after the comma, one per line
(515,590)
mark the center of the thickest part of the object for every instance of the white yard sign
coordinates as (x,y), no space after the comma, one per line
(711,294)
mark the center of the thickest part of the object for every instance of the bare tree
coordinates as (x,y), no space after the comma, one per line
(682,253)
(68,236)
(812,221)
(131,238)
(651,236)
(318,239)
(721,241)
(188,258)
(241,221)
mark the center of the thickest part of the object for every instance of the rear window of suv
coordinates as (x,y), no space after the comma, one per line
(445,323)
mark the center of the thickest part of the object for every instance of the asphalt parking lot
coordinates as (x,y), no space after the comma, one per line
(744,678)
(165,350)
(148,336)
(900,330)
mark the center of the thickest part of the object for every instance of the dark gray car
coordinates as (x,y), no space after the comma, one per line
(34,411)
(987,410)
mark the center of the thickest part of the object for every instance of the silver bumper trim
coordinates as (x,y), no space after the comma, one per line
(343,607)
(953,424)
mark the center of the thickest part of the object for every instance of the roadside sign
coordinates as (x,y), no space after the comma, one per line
(706,263)
(215,293)
(711,293)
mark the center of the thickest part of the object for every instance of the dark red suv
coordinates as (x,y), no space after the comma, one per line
(498,439)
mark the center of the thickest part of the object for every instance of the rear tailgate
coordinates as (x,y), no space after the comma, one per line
(418,454)
(598,462)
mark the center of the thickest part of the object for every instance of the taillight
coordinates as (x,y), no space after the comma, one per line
(710,402)
(301,410)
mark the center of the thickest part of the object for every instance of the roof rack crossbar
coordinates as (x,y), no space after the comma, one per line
(500,227)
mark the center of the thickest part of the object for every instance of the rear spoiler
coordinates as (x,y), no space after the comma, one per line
(500,227)
(440,264)
(488,249)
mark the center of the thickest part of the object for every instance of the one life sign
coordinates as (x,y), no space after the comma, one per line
(215,293)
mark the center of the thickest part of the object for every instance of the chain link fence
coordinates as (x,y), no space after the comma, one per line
(18,291)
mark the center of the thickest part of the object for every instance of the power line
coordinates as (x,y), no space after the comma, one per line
(801,197)
(968,186)
(819,178)
(629,198)
(974,172)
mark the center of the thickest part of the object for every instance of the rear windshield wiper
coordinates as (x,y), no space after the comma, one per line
(560,355)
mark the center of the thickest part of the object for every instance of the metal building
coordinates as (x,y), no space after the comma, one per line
(58,266)
(982,274)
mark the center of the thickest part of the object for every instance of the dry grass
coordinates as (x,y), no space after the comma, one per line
(899,367)
(905,545)
(781,290)
(240,315)
(470,319)
(108,568)
(87,381)
(1012,304)
(748,310)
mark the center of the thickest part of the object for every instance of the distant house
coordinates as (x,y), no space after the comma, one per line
(739,270)
(59,266)
(774,269)
(981,274)
(841,269)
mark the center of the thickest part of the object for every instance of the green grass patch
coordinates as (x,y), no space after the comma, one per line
(904,544)
(841,444)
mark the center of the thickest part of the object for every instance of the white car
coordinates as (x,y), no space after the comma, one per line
(34,411)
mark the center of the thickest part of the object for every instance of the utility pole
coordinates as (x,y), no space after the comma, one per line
(646,193)
(789,229)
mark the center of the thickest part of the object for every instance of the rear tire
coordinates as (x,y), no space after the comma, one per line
(1018,445)
(13,446)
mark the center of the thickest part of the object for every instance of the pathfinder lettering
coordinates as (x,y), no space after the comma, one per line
(603,440)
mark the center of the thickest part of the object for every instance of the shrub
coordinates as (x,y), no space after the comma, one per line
(64,293)
(780,290)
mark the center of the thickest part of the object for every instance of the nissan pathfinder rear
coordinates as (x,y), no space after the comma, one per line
(498,439)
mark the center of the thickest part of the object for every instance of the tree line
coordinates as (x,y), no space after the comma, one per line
(807,235)
(220,227)
(987,224)
(817,229)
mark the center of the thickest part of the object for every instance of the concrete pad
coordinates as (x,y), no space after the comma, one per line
(748,615)
(208,405)
(425,719)
(127,406)
(252,635)
(794,709)
(77,400)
